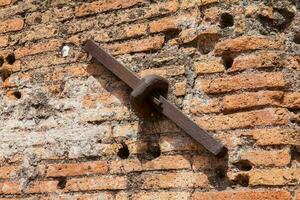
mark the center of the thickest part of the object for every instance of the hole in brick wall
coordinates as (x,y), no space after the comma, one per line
(171,34)
(242,180)
(17,94)
(123,152)
(153,151)
(295,153)
(227,61)
(62,182)
(243,165)
(4,74)
(297,38)
(37,20)
(220,173)
(1,61)
(226,20)
(11,59)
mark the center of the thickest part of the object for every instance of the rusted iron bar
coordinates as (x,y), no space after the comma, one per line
(160,102)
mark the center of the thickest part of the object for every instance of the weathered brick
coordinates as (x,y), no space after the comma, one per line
(7,171)
(273,136)
(5,2)
(259,194)
(292,62)
(52,45)
(100,6)
(147,44)
(200,106)
(167,71)
(3,41)
(178,143)
(154,9)
(96,183)
(245,119)
(297,194)
(10,188)
(180,88)
(209,67)
(252,99)
(274,177)
(238,82)
(41,187)
(291,100)
(161,195)
(53,15)
(116,97)
(267,158)
(126,130)
(11,25)
(192,3)
(174,180)
(76,169)
(35,33)
(103,114)
(247,43)
(259,60)
(94,196)
(171,23)
(205,162)
(160,163)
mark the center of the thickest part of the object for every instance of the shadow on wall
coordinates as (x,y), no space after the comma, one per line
(149,136)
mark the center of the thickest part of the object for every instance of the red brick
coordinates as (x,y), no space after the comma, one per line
(3,41)
(5,2)
(206,162)
(174,180)
(52,45)
(273,136)
(291,100)
(10,188)
(151,43)
(100,6)
(267,158)
(180,88)
(292,62)
(245,119)
(259,194)
(170,23)
(209,67)
(259,60)
(178,143)
(96,183)
(41,187)
(200,106)
(274,177)
(297,193)
(160,163)
(11,25)
(7,171)
(76,169)
(247,43)
(252,99)
(194,3)
(167,71)
(161,195)
(238,82)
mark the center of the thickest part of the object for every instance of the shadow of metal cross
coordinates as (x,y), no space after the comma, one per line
(165,107)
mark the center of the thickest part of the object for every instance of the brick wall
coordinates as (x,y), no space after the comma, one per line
(66,123)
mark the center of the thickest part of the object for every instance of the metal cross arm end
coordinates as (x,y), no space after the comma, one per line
(152,91)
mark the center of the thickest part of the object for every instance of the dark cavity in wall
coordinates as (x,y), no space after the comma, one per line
(62,182)
(1,61)
(4,74)
(123,152)
(227,61)
(226,20)
(243,165)
(17,94)
(297,38)
(10,59)
(281,19)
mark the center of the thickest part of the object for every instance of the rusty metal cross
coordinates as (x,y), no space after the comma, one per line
(150,89)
